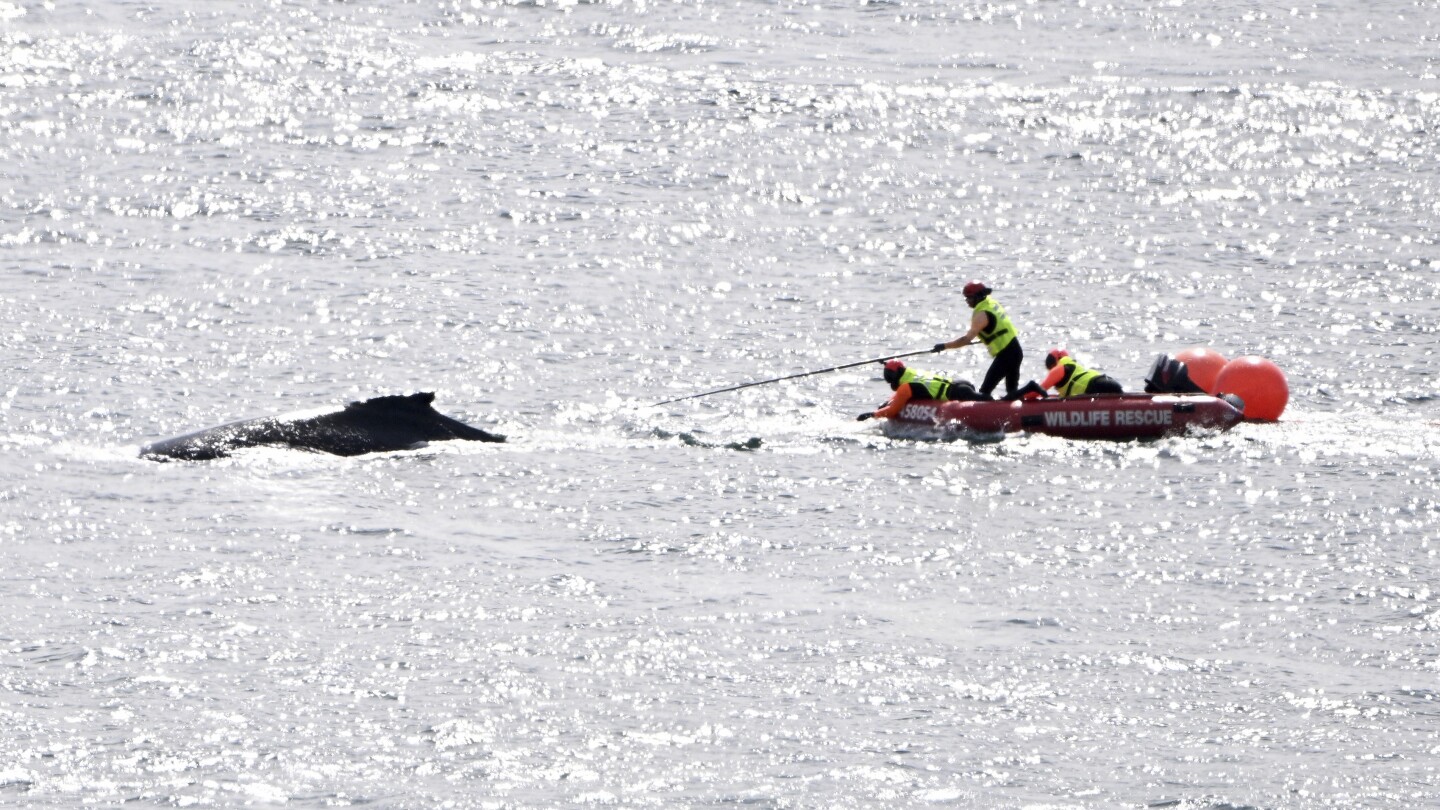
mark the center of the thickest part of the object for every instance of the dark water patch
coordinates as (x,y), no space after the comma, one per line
(691,439)
(1038,623)
(364,531)
(45,655)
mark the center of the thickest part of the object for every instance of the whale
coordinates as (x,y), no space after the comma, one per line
(377,425)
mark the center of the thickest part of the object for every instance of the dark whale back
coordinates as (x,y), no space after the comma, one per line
(376,425)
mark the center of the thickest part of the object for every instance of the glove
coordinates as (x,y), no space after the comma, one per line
(862,417)
(939,347)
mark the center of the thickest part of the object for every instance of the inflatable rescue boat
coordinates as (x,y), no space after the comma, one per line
(1101,416)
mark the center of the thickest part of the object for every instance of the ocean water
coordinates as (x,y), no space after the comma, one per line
(555,214)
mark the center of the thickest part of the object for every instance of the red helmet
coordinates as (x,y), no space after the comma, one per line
(976,289)
(1054,357)
(894,370)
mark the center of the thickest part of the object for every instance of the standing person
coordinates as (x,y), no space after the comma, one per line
(1070,379)
(991,326)
(908,384)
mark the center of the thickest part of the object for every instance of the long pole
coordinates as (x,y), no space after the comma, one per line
(795,376)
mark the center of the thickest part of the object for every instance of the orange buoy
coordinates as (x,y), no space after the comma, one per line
(1259,382)
(1203,364)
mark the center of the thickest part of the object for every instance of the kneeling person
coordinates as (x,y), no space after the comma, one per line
(909,384)
(1070,379)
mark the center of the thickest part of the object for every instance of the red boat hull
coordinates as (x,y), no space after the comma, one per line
(1103,416)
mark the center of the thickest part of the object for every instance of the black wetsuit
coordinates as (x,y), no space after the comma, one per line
(1006,366)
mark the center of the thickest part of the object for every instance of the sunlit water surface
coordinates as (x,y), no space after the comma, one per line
(555,214)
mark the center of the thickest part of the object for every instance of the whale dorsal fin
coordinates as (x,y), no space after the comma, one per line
(420,400)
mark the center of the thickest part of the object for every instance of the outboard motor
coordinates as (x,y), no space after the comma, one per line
(1170,376)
